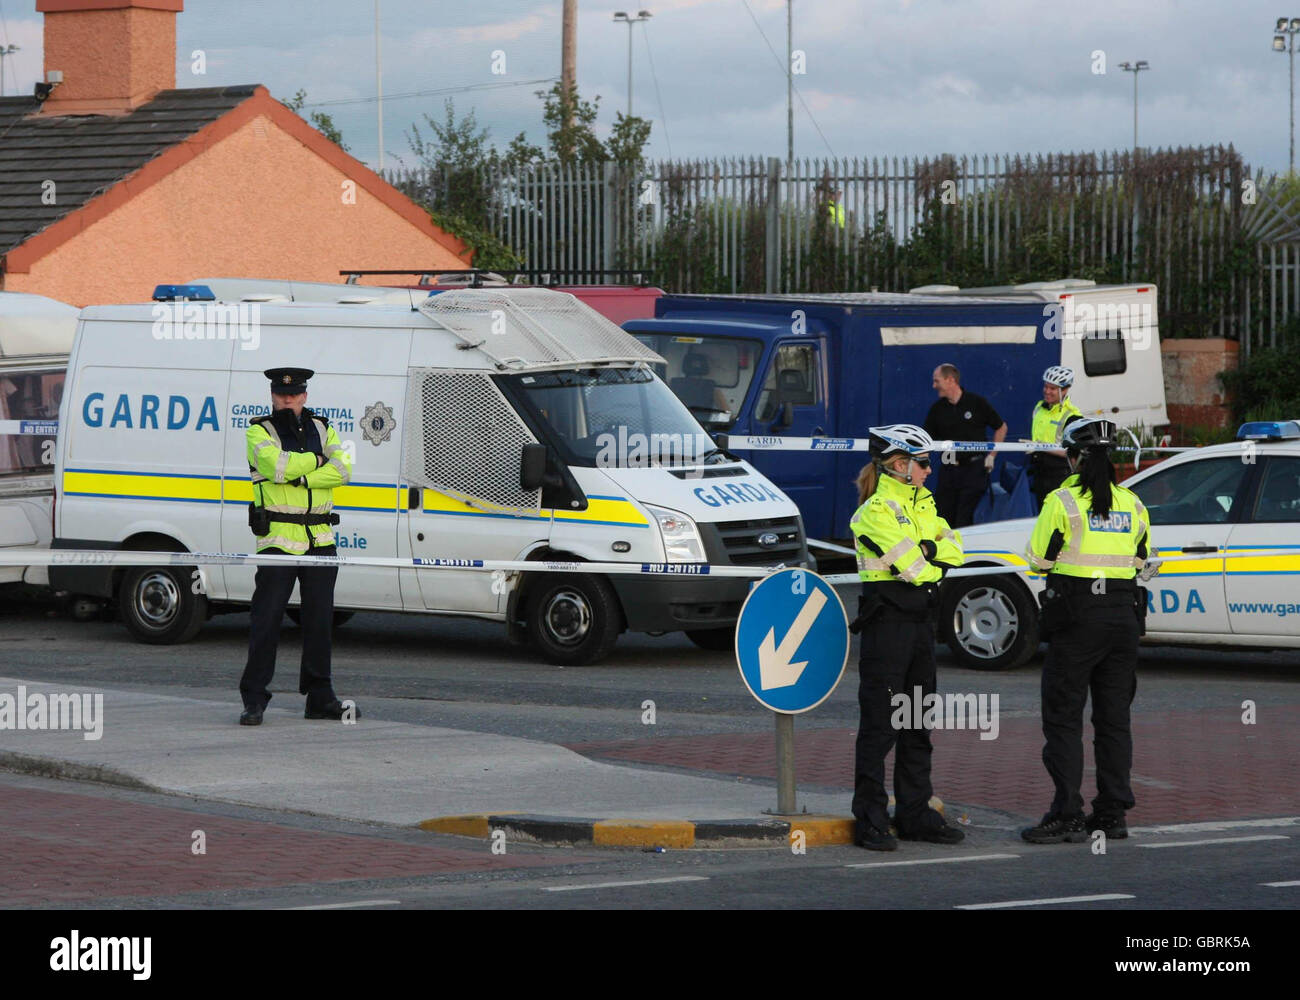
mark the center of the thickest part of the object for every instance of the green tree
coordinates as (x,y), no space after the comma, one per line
(322,122)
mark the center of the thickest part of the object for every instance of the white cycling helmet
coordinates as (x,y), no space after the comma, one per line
(898,439)
(1060,376)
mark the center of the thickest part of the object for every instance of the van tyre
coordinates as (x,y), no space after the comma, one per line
(990,622)
(159,606)
(573,620)
(717,639)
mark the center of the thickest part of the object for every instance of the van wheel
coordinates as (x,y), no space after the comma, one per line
(341,618)
(159,605)
(989,623)
(574,620)
(718,639)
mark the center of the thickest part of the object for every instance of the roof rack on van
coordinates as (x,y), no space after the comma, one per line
(529,328)
(474,277)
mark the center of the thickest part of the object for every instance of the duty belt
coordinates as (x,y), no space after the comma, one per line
(307,519)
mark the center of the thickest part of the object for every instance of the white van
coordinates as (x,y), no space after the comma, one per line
(1111,339)
(35,338)
(450,404)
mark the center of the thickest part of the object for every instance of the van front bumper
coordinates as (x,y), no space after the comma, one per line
(675,603)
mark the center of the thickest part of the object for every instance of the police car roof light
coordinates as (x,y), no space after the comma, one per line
(1269,430)
(193,293)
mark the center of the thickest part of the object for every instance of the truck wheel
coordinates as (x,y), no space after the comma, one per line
(341,618)
(574,620)
(989,623)
(717,639)
(159,605)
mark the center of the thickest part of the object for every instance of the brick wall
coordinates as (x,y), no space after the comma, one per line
(1192,388)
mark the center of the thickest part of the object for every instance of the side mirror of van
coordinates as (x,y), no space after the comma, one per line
(532,467)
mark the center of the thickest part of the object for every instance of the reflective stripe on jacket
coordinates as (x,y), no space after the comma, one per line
(895,519)
(275,469)
(1114,547)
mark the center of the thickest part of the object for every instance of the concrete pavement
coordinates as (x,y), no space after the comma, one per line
(389,772)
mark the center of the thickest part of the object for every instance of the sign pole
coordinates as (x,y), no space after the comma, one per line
(785,793)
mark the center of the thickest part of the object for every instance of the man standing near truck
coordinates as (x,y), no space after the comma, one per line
(295,462)
(959,415)
(1048,468)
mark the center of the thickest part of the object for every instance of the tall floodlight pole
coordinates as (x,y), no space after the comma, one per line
(789,81)
(1288,28)
(620,15)
(379,86)
(1135,69)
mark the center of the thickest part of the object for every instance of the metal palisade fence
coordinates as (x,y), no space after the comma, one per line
(1221,243)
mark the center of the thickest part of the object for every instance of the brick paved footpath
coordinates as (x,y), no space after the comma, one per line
(63,846)
(1187,766)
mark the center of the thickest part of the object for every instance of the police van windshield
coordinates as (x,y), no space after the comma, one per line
(709,374)
(611,417)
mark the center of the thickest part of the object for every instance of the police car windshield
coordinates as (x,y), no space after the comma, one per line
(611,417)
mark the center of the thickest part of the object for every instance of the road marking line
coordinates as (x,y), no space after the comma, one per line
(1043,902)
(348,906)
(1279,885)
(931,861)
(1220,840)
(619,885)
(1216,827)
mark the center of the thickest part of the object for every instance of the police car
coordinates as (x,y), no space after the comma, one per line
(1238,497)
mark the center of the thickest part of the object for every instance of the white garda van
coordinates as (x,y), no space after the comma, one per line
(513,424)
(1110,337)
(35,338)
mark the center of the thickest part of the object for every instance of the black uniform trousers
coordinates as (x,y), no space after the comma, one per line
(960,489)
(1046,473)
(897,656)
(1096,652)
(273,587)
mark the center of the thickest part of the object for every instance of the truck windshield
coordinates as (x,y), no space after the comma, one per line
(709,374)
(611,417)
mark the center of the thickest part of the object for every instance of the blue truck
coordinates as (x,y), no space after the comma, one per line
(834,365)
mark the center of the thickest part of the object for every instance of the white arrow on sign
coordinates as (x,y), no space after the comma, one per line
(774,667)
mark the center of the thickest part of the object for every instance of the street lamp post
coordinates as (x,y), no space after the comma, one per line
(1135,69)
(1284,29)
(5,50)
(641,15)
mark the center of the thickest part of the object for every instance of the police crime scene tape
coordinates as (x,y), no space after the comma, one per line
(752,442)
(118,557)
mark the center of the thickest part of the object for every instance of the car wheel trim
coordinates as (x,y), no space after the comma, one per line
(157,599)
(985,622)
(567,617)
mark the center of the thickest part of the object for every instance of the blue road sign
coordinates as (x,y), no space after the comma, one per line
(792,641)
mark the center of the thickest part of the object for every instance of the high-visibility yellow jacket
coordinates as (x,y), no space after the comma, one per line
(894,520)
(1048,420)
(1071,540)
(289,478)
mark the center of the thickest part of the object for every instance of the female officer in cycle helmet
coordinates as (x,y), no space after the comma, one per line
(903,547)
(1049,468)
(1092,539)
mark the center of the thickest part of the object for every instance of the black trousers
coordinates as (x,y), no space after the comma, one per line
(273,587)
(1046,473)
(1097,652)
(896,657)
(960,489)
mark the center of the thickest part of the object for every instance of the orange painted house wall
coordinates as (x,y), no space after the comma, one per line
(256,202)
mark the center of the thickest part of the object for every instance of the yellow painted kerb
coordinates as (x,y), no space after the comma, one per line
(643,833)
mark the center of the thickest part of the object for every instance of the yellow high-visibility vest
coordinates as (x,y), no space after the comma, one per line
(896,518)
(1114,547)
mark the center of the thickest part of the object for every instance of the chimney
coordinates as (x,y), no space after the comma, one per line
(114,54)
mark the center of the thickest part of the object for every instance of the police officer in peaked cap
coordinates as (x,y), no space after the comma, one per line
(295,462)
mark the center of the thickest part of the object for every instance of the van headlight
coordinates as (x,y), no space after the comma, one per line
(682,542)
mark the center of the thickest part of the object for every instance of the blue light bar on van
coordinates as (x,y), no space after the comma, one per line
(1269,430)
(192,293)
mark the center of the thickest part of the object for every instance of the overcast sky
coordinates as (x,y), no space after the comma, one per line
(883,77)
